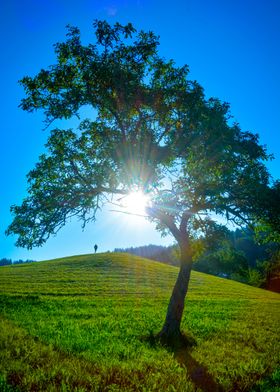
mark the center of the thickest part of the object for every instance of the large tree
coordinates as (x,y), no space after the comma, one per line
(152,129)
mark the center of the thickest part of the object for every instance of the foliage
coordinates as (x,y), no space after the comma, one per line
(256,278)
(154,129)
(6,261)
(82,324)
(238,255)
(154,252)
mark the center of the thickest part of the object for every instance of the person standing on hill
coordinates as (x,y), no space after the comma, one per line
(95,248)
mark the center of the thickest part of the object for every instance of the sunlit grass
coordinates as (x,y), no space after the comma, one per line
(81,324)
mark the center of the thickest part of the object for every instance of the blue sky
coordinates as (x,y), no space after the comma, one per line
(231,47)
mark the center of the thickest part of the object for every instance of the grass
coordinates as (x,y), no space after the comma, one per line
(83,323)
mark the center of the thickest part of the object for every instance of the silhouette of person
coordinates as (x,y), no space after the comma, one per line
(95,248)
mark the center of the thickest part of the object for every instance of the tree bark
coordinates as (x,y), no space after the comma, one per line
(171,328)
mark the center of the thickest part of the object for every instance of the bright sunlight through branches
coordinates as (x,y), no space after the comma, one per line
(135,203)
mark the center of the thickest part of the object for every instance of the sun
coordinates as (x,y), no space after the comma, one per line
(136,203)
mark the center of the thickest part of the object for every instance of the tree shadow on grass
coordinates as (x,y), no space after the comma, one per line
(197,372)
(181,349)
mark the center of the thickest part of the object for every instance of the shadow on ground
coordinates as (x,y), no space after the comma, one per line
(182,349)
(197,372)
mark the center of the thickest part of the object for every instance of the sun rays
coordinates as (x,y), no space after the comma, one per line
(135,203)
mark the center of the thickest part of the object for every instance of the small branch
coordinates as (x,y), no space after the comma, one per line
(113,191)
(48,124)
(77,172)
(184,220)
(117,117)
(236,214)
(165,132)
(101,189)
(130,213)
(167,220)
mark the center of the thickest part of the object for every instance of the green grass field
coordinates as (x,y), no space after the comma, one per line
(85,323)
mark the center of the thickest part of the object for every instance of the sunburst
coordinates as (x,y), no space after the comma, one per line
(136,203)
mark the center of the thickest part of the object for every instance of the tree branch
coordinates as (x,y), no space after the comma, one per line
(165,132)
(237,215)
(167,220)
(184,221)
(130,213)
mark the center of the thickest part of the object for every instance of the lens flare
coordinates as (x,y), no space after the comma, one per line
(136,203)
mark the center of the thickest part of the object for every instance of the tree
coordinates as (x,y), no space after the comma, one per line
(152,129)
(5,261)
(219,256)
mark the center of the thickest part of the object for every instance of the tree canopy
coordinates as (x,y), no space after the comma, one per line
(151,129)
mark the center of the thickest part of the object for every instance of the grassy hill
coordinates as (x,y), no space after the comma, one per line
(83,323)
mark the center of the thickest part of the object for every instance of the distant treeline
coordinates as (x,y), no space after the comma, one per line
(5,261)
(234,255)
(153,252)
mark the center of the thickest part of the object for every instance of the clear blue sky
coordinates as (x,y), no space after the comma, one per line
(231,47)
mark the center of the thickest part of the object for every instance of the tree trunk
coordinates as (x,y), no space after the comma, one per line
(171,327)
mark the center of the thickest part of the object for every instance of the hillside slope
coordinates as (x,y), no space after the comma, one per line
(81,324)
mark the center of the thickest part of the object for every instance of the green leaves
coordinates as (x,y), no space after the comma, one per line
(152,128)
(107,35)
